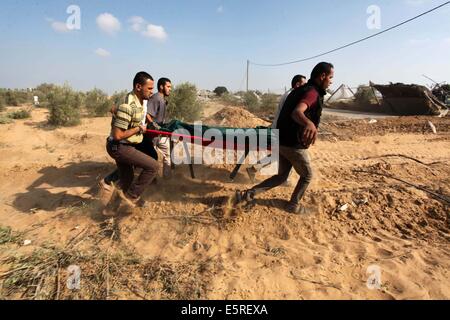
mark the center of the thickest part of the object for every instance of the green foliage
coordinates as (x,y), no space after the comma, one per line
(15,98)
(251,101)
(118,97)
(220,91)
(43,91)
(97,103)
(230,100)
(269,102)
(64,105)
(2,103)
(364,95)
(184,104)
(20,114)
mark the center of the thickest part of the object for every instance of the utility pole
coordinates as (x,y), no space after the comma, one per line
(248,69)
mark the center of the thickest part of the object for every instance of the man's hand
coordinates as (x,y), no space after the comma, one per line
(309,134)
(142,129)
(155,125)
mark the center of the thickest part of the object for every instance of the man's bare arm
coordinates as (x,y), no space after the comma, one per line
(120,134)
(310,133)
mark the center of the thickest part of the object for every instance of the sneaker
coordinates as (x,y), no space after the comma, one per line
(296,209)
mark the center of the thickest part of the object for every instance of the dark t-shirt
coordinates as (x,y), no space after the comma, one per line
(157,108)
(290,131)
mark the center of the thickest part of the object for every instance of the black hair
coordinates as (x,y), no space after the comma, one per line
(141,78)
(297,79)
(162,82)
(323,67)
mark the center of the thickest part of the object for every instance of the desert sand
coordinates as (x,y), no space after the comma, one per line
(189,243)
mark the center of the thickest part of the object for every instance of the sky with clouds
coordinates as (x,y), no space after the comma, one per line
(207,42)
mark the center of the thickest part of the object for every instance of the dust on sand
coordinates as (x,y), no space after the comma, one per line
(379,199)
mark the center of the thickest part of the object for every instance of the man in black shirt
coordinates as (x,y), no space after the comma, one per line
(298,128)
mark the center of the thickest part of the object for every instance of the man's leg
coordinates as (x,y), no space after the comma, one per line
(164,147)
(284,170)
(149,167)
(301,162)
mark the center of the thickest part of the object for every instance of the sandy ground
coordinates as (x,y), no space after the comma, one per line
(189,244)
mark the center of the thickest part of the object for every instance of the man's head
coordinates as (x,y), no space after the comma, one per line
(298,81)
(323,75)
(164,86)
(143,84)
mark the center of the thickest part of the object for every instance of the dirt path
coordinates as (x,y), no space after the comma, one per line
(189,244)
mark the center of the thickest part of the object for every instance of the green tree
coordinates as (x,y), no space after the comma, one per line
(97,103)
(219,91)
(269,102)
(118,97)
(184,104)
(251,101)
(64,106)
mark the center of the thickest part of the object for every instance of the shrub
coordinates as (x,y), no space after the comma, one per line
(118,97)
(184,104)
(230,100)
(220,91)
(97,103)
(42,91)
(5,120)
(2,103)
(251,101)
(269,103)
(64,105)
(20,114)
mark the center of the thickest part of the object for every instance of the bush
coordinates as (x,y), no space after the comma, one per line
(5,120)
(364,95)
(20,114)
(2,103)
(97,103)
(220,91)
(230,100)
(118,97)
(64,105)
(42,91)
(184,104)
(269,103)
(251,101)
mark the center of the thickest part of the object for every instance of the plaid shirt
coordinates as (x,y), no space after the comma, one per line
(129,116)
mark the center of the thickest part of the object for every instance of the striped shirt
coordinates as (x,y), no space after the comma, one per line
(129,116)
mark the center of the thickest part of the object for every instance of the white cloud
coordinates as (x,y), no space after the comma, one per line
(108,23)
(137,23)
(220,9)
(447,41)
(102,53)
(156,32)
(58,26)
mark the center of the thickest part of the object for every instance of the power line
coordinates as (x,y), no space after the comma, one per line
(352,43)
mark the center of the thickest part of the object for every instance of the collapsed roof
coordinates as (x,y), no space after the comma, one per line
(409,100)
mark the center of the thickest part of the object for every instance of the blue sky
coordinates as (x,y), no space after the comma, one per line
(207,42)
